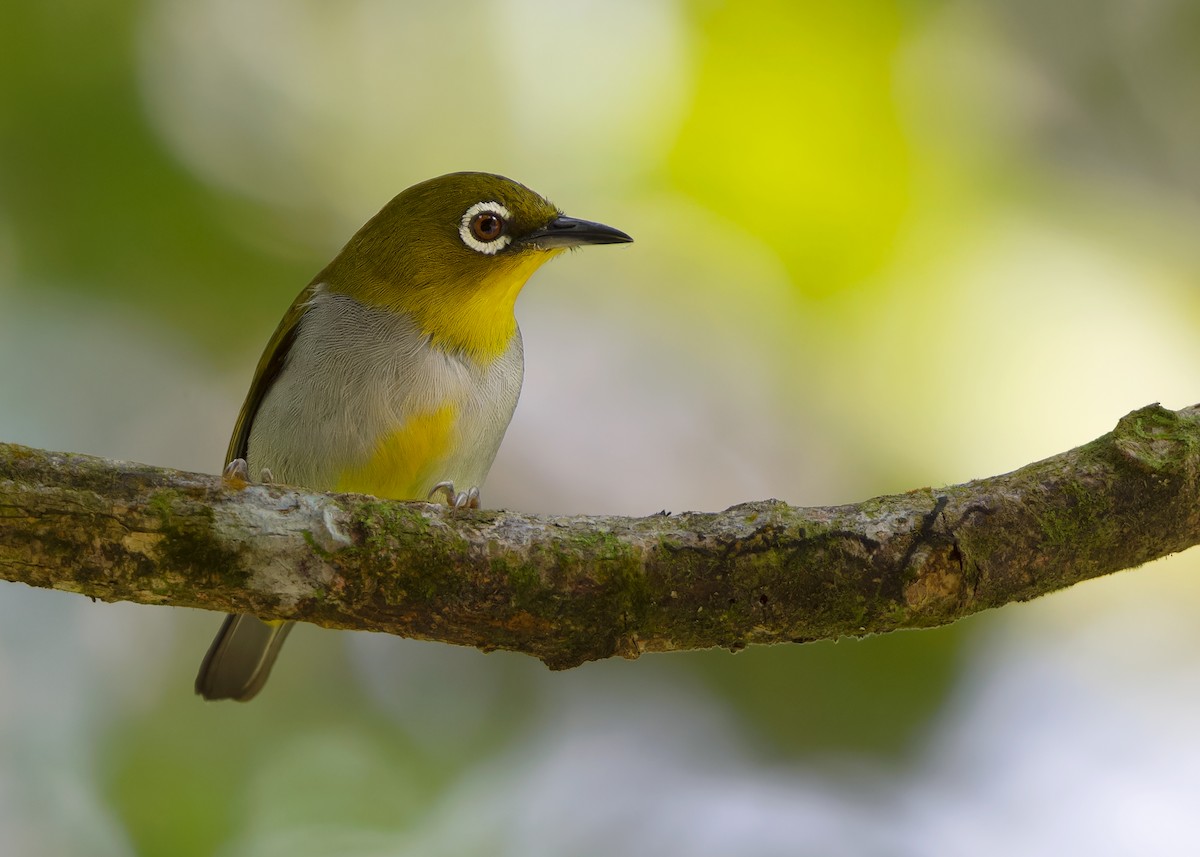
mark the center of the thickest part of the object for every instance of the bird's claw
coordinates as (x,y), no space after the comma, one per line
(468,499)
(236,473)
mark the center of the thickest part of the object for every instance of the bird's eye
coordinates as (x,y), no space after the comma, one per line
(487,226)
(484,227)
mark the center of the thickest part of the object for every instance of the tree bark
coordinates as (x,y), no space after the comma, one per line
(573,589)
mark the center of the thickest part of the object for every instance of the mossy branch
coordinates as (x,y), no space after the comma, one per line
(574,589)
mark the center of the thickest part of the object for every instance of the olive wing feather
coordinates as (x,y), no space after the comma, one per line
(270,365)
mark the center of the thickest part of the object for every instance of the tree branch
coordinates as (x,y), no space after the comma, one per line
(573,589)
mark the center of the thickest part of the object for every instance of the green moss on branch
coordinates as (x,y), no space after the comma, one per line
(573,589)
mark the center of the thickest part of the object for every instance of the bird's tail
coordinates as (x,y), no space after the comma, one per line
(240,658)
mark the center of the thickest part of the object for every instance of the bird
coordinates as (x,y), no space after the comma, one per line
(396,370)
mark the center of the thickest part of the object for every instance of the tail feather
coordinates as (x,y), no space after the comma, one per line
(240,658)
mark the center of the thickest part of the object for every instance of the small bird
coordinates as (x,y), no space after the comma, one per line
(395,372)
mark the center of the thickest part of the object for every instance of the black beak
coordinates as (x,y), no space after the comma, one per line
(565,231)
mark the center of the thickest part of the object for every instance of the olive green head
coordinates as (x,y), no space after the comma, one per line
(453,252)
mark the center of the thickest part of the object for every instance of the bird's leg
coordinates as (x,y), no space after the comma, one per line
(468,499)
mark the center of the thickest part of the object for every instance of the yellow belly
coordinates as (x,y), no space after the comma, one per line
(408,461)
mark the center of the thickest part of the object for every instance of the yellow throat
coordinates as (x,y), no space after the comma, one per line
(471,312)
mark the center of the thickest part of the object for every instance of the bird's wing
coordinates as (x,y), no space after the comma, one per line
(269,366)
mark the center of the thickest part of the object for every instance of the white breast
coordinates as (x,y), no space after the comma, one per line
(356,373)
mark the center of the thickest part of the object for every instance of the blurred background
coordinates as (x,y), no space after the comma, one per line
(880,245)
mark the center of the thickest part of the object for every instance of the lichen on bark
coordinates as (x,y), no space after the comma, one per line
(568,589)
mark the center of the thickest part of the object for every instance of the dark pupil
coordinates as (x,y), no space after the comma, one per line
(487,227)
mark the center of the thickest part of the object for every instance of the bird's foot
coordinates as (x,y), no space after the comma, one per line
(468,499)
(236,474)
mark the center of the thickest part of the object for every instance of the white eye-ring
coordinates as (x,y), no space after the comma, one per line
(484,227)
